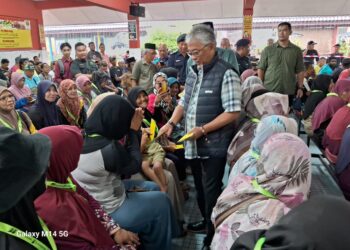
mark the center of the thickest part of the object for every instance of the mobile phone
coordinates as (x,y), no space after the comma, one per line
(164,87)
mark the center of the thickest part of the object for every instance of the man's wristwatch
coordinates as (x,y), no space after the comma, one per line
(171,123)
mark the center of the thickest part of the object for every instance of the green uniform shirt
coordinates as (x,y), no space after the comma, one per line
(143,73)
(281,66)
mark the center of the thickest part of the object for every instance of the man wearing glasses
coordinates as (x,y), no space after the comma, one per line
(210,107)
(144,70)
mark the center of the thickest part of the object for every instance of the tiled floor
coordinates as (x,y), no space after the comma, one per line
(322,183)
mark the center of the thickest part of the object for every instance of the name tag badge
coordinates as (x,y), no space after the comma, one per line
(208,92)
(178,60)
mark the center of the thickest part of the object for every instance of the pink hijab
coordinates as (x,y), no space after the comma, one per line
(15,90)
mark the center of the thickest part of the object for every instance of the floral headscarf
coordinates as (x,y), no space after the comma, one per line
(283,170)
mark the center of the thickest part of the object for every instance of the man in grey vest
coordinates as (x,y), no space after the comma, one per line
(210,107)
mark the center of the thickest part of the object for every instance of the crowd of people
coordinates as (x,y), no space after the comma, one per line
(94,152)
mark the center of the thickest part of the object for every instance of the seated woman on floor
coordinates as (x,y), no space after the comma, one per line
(102,162)
(282,182)
(65,206)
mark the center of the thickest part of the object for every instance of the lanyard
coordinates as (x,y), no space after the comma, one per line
(254,154)
(259,244)
(148,124)
(76,120)
(85,98)
(95,87)
(66,186)
(332,94)
(255,120)
(19,123)
(93,135)
(262,190)
(15,232)
(316,91)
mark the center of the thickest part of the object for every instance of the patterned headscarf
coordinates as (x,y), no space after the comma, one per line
(283,170)
(268,126)
(66,104)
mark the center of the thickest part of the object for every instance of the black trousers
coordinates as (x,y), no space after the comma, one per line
(208,176)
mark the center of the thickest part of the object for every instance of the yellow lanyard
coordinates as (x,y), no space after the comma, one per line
(255,120)
(93,135)
(316,91)
(37,244)
(76,120)
(332,94)
(66,186)
(262,190)
(82,95)
(19,123)
(254,154)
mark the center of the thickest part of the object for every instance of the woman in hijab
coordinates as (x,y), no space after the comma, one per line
(139,99)
(23,180)
(247,73)
(335,131)
(86,91)
(267,127)
(65,206)
(282,182)
(320,88)
(12,119)
(343,164)
(44,113)
(303,228)
(257,104)
(21,92)
(102,162)
(71,107)
(328,107)
(96,101)
(160,101)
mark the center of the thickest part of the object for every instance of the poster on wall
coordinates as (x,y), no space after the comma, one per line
(42,36)
(247,26)
(15,34)
(132,28)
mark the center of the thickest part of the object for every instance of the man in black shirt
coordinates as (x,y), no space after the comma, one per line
(339,56)
(310,53)
(81,65)
(93,54)
(242,54)
(115,71)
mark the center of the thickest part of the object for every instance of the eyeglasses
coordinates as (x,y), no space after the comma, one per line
(4,98)
(196,52)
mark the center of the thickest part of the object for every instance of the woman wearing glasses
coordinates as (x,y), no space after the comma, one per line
(11,118)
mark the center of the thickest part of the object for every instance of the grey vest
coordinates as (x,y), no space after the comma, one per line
(209,106)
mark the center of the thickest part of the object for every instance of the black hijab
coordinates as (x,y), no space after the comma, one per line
(318,224)
(48,110)
(23,162)
(132,97)
(111,120)
(320,90)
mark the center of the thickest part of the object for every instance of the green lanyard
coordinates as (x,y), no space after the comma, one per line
(255,120)
(254,154)
(262,190)
(76,120)
(316,91)
(148,124)
(259,244)
(95,87)
(332,94)
(37,244)
(66,186)
(19,123)
(93,135)
(85,98)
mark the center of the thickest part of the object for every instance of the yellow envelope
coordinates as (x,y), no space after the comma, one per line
(152,129)
(185,137)
(181,146)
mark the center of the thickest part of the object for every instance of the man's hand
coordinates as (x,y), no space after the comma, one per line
(166,129)
(137,119)
(197,133)
(300,93)
(124,237)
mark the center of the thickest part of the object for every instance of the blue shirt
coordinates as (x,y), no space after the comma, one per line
(32,83)
(179,62)
(326,70)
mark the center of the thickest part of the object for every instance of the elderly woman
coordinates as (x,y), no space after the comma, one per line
(10,118)
(104,160)
(281,183)
(86,90)
(45,112)
(71,106)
